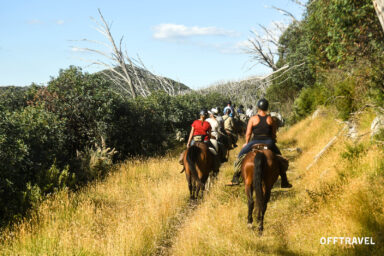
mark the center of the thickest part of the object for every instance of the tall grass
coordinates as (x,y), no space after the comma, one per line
(141,208)
(125,215)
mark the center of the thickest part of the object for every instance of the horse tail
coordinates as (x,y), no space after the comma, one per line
(259,163)
(192,156)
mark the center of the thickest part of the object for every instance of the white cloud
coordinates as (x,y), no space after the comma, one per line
(34,22)
(77,49)
(60,22)
(171,31)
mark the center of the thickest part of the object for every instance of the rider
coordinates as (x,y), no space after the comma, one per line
(201,130)
(229,106)
(264,131)
(229,126)
(217,139)
(240,110)
(216,112)
(249,111)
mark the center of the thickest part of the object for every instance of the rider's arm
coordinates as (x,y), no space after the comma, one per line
(190,136)
(248,133)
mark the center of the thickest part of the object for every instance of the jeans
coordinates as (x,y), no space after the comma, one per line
(270,143)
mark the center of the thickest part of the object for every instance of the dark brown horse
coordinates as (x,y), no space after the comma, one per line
(240,123)
(260,171)
(198,163)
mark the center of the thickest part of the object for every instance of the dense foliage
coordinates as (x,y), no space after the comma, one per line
(337,55)
(68,133)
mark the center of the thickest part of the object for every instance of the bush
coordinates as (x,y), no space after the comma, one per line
(30,142)
(95,163)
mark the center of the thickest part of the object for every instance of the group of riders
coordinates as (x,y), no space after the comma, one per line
(220,130)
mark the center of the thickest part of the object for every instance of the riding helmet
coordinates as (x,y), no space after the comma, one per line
(263,104)
(214,111)
(203,112)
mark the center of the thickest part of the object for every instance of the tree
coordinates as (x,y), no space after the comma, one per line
(129,75)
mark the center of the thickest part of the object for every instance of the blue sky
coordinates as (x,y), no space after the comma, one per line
(195,42)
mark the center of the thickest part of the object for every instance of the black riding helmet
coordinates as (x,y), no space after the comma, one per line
(203,112)
(263,104)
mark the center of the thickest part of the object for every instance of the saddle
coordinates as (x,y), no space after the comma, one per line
(211,148)
(259,146)
(283,162)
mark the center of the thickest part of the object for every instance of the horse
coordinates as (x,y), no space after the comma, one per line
(240,124)
(198,163)
(260,170)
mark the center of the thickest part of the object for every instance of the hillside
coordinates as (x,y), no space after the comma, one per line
(141,76)
(247,91)
(143,208)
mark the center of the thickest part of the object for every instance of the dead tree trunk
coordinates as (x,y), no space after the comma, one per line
(379,7)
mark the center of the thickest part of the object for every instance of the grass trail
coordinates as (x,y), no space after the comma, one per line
(143,209)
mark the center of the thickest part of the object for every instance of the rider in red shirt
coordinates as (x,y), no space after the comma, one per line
(201,129)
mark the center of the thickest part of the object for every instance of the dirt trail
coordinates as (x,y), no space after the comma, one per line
(165,243)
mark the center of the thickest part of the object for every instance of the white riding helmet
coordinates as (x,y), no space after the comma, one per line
(214,111)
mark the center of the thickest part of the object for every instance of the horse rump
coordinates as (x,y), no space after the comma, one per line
(192,157)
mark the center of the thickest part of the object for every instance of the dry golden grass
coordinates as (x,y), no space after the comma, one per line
(142,207)
(125,215)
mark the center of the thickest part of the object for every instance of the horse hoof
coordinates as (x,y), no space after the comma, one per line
(250,226)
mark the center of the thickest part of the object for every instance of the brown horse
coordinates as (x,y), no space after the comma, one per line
(198,163)
(260,171)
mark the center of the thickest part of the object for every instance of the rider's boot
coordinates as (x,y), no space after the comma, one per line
(284,180)
(283,163)
(181,158)
(236,176)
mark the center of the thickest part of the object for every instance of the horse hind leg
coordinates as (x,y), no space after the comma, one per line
(267,196)
(190,186)
(193,195)
(200,187)
(251,204)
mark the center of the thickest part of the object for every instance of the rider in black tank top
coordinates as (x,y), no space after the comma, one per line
(263,133)
(262,130)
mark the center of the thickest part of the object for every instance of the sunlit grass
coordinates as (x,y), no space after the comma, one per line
(125,215)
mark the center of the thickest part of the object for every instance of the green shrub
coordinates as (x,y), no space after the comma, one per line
(344,98)
(95,163)
(353,151)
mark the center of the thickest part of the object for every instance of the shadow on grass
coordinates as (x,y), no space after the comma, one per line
(288,143)
(371,228)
